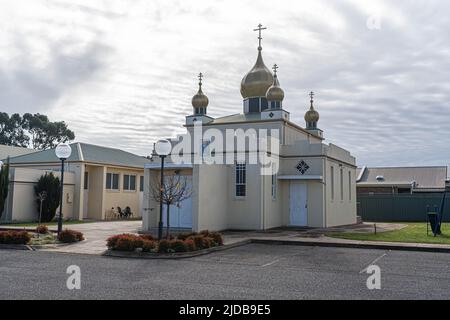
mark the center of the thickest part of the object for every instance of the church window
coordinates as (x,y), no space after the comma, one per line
(254,105)
(241,179)
(350,185)
(342,184)
(274,183)
(264,104)
(332,183)
(129,182)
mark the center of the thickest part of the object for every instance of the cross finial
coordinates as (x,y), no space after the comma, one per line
(259,29)
(311,94)
(275,68)
(200,77)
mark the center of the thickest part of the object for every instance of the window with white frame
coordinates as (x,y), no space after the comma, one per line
(241,179)
(112,181)
(350,185)
(129,182)
(274,183)
(141,183)
(332,182)
(342,184)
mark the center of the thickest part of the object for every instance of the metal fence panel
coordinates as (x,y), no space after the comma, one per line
(400,207)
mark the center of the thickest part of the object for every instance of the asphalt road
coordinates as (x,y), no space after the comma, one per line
(248,272)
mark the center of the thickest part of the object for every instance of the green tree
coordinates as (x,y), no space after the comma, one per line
(11,130)
(51,185)
(44,133)
(4,186)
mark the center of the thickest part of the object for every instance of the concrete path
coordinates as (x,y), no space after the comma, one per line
(96,234)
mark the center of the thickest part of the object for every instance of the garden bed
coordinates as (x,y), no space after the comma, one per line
(184,245)
(40,238)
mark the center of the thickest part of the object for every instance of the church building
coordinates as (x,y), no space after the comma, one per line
(313,184)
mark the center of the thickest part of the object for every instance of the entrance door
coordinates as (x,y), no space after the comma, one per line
(180,216)
(298,204)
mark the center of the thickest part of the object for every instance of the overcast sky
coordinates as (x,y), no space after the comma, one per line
(122,73)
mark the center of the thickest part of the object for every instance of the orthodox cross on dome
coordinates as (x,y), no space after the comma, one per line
(275,68)
(311,94)
(259,29)
(200,77)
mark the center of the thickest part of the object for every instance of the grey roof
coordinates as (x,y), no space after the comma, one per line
(425,177)
(86,153)
(10,151)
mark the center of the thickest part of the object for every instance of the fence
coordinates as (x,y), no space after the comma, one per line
(400,207)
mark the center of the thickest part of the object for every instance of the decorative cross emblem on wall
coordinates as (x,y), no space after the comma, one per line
(302,167)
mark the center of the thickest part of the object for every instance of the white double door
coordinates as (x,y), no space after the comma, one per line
(298,204)
(180,216)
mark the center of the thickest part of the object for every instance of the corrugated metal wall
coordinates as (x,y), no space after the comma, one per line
(400,207)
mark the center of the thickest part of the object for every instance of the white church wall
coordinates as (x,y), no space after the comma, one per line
(272,216)
(245,212)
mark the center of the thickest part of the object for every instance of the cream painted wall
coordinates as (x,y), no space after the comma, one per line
(97,176)
(122,198)
(340,210)
(212,193)
(21,202)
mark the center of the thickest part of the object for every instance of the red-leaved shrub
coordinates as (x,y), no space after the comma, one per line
(14,237)
(70,236)
(147,237)
(190,244)
(148,246)
(124,242)
(164,246)
(42,229)
(178,246)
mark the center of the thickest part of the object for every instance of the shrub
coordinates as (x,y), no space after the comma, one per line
(148,246)
(14,237)
(147,237)
(125,242)
(184,236)
(164,246)
(51,185)
(207,242)
(178,246)
(198,241)
(190,244)
(205,233)
(42,229)
(70,236)
(217,238)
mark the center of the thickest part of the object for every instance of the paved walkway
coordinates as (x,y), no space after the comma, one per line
(96,234)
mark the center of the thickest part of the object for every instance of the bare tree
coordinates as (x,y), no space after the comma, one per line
(175,190)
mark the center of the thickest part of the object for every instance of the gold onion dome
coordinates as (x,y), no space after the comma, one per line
(257,81)
(312,116)
(200,100)
(275,93)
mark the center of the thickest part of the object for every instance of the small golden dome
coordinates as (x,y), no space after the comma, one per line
(257,81)
(312,116)
(275,93)
(200,100)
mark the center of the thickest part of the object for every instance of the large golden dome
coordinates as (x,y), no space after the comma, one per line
(257,81)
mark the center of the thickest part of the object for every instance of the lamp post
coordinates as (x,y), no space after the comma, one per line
(63,152)
(162,149)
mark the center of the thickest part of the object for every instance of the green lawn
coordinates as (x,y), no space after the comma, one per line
(54,223)
(413,233)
